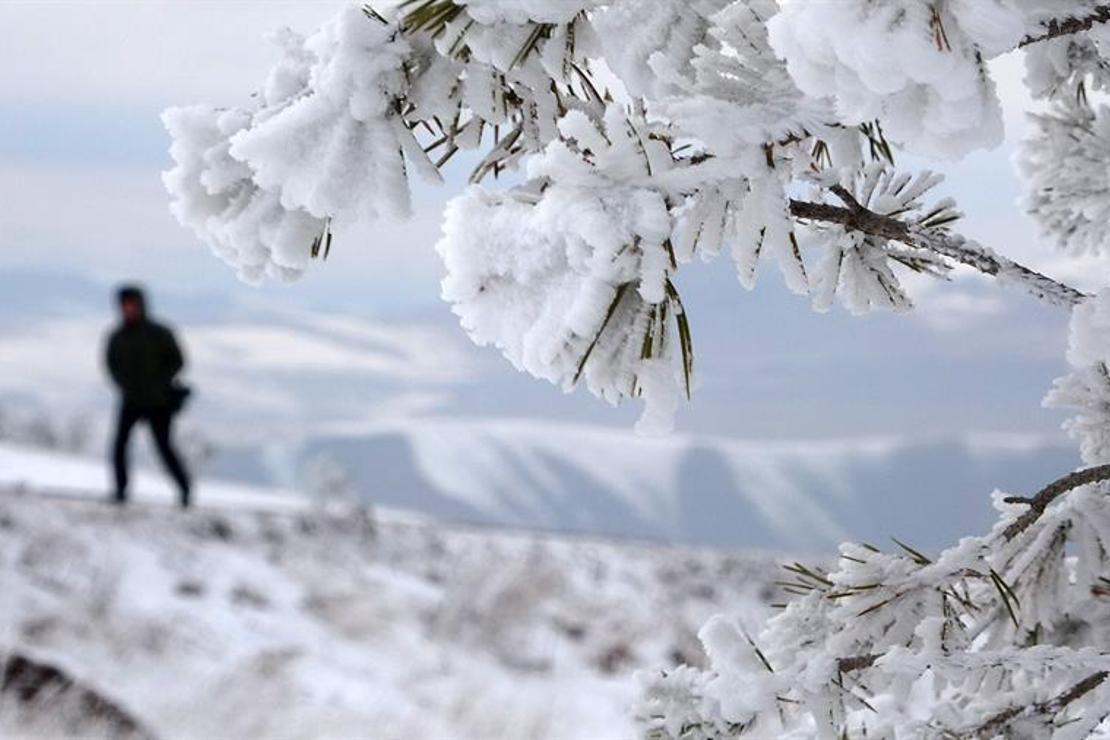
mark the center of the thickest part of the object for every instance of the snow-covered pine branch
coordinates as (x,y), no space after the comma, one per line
(730,109)
(928,236)
(1003,635)
(1000,635)
(1085,17)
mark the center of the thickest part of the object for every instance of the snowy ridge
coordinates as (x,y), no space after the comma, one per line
(797,495)
(645,475)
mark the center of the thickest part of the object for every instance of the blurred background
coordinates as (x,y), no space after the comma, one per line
(805,429)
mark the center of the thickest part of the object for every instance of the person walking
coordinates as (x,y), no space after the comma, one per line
(143,359)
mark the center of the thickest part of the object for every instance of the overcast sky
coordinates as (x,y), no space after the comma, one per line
(81,151)
(79,131)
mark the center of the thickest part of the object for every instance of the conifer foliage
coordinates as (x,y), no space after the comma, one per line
(640,135)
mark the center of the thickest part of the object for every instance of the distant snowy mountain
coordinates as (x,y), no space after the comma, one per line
(298,623)
(705,490)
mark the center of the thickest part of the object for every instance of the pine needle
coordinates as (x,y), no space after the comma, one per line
(1007,594)
(621,290)
(685,341)
(915,555)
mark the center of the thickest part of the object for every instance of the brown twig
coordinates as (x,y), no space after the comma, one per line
(1050,708)
(1066,26)
(992,726)
(856,217)
(1037,504)
(857,662)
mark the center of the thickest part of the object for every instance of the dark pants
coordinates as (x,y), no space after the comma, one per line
(160,421)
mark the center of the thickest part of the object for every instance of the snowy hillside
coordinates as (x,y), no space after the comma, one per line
(796,495)
(235,622)
(700,490)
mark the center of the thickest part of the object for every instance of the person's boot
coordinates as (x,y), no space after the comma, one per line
(185,499)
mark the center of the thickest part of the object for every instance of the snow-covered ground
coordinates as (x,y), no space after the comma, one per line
(279,620)
(47,472)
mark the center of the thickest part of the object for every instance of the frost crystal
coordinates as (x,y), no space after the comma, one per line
(914,64)
(733,94)
(338,149)
(1087,387)
(648,42)
(1067,165)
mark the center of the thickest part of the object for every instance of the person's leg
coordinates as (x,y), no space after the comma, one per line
(125,422)
(160,425)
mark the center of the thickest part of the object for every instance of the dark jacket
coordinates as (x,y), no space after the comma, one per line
(143,359)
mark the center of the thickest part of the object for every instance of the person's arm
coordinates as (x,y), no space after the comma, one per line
(174,358)
(112,361)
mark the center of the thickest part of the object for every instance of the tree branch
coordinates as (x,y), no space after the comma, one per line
(1050,493)
(1050,708)
(855,217)
(992,726)
(1065,26)
(856,662)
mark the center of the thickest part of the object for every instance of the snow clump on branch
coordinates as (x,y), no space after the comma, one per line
(916,68)
(338,149)
(215,194)
(591,296)
(261,187)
